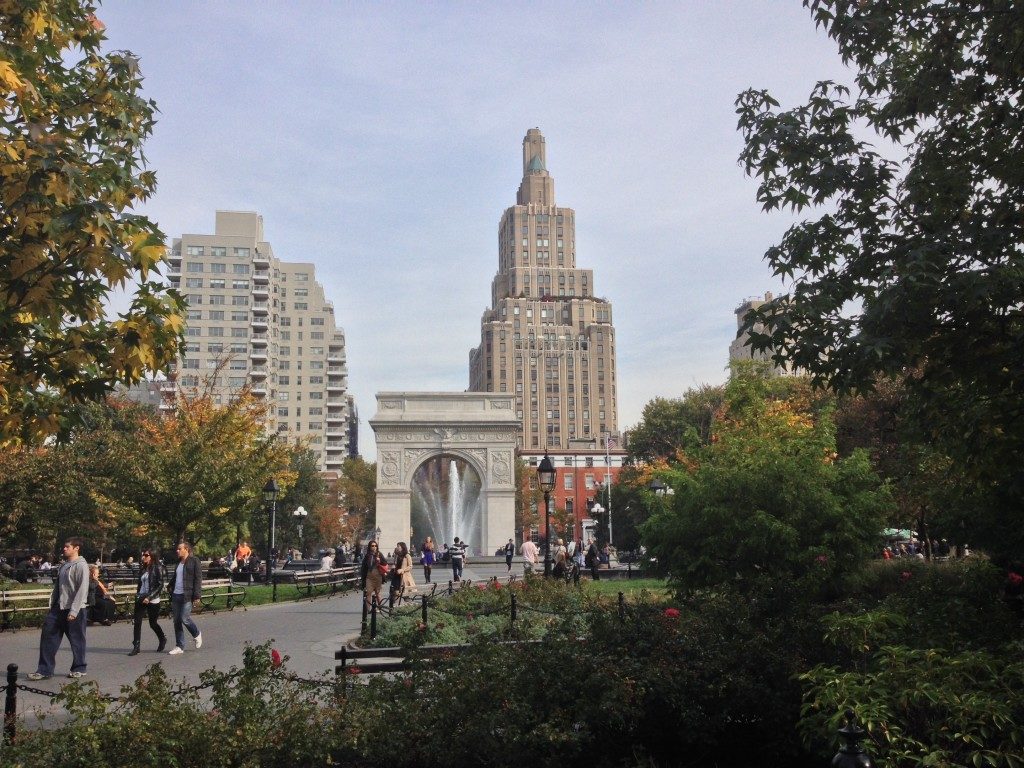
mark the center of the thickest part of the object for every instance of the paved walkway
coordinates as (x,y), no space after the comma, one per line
(309,632)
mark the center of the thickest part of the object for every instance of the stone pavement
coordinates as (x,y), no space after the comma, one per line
(308,632)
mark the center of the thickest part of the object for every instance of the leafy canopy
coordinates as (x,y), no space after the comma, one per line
(915,269)
(72,124)
(768,496)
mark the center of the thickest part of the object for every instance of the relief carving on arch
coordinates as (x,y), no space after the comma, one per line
(389,472)
(501,468)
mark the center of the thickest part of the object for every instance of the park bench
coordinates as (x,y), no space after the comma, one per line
(334,579)
(20,601)
(221,589)
(300,565)
(368,661)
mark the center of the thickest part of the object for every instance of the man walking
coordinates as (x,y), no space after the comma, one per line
(529,552)
(66,615)
(458,553)
(510,551)
(186,588)
(593,560)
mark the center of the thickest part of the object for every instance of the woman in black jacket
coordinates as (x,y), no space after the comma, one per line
(147,600)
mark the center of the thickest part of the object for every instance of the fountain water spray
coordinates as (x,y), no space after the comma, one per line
(451,514)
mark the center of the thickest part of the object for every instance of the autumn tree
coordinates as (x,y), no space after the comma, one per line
(72,124)
(911,264)
(528,497)
(767,497)
(200,471)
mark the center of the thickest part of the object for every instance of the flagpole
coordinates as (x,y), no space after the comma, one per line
(608,481)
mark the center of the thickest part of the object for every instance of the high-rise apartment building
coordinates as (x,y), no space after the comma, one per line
(739,349)
(255,320)
(547,336)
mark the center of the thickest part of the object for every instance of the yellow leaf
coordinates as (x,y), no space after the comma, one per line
(9,77)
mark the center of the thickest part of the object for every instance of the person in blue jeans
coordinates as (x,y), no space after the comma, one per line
(458,555)
(67,615)
(185,588)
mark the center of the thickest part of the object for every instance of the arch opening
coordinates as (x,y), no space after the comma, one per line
(447,502)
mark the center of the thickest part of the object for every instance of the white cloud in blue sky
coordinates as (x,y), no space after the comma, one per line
(382,142)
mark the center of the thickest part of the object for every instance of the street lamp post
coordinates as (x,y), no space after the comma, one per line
(300,517)
(597,510)
(270,496)
(546,479)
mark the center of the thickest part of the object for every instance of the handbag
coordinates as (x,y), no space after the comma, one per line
(383,568)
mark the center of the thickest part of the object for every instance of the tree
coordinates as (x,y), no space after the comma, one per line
(669,425)
(915,268)
(71,169)
(308,491)
(357,492)
(528,497)
(768,497)
(203,468)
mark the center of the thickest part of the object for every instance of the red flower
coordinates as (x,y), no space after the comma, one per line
(671,613)
(905,576)
(275,658)
(354,670)
(481,586)
(1014,578)
(497,585)
(821,559)
(421,627)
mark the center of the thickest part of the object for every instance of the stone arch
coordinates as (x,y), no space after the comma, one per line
(479,428)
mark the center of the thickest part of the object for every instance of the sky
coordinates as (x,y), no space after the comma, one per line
(383,141)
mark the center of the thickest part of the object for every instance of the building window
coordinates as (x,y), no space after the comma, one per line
(240,333)
(301,305)
(218,251)
(193,282)
(567,482)
(216,314)
(218,268)
(240,269)
(194,250)
(217,283)
(217,299)
(242,253)
(316,321)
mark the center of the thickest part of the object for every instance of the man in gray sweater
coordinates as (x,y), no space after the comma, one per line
(66,615)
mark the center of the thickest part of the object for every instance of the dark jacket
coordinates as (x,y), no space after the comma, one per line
(156,583)
(193,578)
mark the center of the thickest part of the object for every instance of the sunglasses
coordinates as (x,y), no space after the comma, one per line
(146,554)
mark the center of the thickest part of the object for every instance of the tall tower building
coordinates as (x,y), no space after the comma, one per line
(739,349)
(547,336)
(254,319)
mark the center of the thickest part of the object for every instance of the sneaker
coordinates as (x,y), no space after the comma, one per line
(76,675)
(38,676)
(199,640)
(175,651)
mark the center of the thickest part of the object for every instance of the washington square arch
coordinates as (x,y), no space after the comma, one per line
(446,468)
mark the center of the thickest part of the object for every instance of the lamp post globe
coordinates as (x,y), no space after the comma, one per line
(300,517)
(546,480)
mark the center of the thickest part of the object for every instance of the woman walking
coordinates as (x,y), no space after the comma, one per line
(147,600)
(401,574)
(427,558)
(371,574)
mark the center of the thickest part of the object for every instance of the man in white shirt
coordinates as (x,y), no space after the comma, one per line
(529,552)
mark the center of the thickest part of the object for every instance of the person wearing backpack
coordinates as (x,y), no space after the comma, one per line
(592,560)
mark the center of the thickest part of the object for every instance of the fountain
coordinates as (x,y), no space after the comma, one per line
(446,502)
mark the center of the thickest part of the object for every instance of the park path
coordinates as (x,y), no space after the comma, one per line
(308,632)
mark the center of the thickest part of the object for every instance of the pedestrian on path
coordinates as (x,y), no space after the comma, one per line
(529,553)
(458,555)
(427,558)
(372,572)
(510,551)
(147,600)
(186,588)
(66,615)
